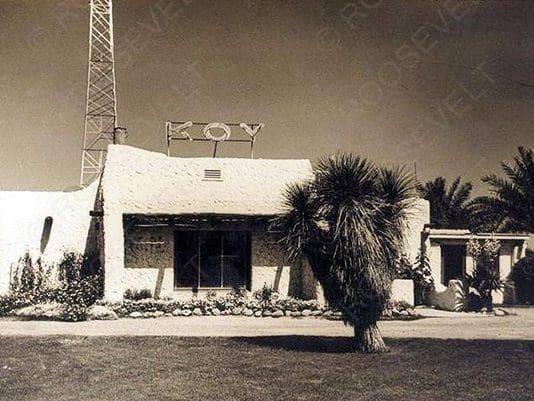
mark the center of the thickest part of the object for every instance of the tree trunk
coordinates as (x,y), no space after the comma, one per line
(489,302)
(367,339)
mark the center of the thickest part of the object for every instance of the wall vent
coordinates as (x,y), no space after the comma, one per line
(212,175)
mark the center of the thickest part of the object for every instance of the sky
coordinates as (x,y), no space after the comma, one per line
(445,86)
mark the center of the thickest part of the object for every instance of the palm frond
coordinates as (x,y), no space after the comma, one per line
(448,207)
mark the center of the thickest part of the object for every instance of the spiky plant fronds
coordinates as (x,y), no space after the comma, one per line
(449,207)
(510,205)
(349,223)
(300,220)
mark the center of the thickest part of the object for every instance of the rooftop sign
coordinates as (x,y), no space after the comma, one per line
(214,132)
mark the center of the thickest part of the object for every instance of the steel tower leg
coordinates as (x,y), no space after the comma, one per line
(101,106)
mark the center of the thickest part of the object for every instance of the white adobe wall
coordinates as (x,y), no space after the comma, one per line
(136,181)
(149,260)
(403,291)
(153,268)
(22,216)
(418,217)
(140,181)
(268,265)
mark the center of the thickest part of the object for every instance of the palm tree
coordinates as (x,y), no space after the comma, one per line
(348,222)
(449,208)
(510,207)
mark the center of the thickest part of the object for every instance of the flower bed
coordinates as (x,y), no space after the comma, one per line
(234,304)
(262,303)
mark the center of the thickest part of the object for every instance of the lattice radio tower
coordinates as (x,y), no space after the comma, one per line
(101,106)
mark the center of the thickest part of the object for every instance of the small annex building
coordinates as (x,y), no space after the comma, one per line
(449,259)
(178,226)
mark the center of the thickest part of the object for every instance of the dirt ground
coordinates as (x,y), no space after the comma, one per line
(446,326)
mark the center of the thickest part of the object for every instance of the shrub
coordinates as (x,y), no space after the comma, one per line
(474,301)
(402,305)
(211,295)
(11,302)
(485,277)
(30,281)
(266,296)
(76,287)
(136,295)
(420,272)
(224,304)
(236,297)
(523,277)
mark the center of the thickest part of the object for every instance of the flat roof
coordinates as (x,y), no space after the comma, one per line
(463,234)
(137,181)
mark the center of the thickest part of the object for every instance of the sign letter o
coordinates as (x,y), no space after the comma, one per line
(223,137)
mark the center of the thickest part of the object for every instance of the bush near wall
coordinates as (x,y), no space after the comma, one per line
(421,274)
(71,300)
(262,303)
(68,289)
(523,278)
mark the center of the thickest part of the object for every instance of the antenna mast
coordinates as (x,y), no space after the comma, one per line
(101,106)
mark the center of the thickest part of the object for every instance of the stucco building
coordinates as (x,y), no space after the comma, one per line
(183,226)
(176,226)
(180,226)
(449,259)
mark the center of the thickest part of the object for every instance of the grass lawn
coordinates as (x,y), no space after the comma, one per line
(262,368)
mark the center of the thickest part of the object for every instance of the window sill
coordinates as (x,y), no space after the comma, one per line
(190,289)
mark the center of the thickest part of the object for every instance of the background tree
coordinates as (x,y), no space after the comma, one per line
(523,277)
(348,222)
(449,207)
(510,205)
(485,277)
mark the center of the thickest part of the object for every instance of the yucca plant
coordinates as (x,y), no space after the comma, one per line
(348,222)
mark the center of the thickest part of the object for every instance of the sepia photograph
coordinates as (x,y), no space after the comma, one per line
(255,200)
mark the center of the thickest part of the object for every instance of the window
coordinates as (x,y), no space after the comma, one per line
(211,259)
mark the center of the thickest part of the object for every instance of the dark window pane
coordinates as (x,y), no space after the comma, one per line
(186,259)
(210,259)
(235,260)
(216,258)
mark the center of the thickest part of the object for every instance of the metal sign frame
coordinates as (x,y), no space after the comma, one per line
(177,131)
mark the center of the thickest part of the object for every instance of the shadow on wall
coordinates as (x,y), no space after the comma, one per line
(45,235)
(270,266)
(278,277)
(301,284)
(94,244)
